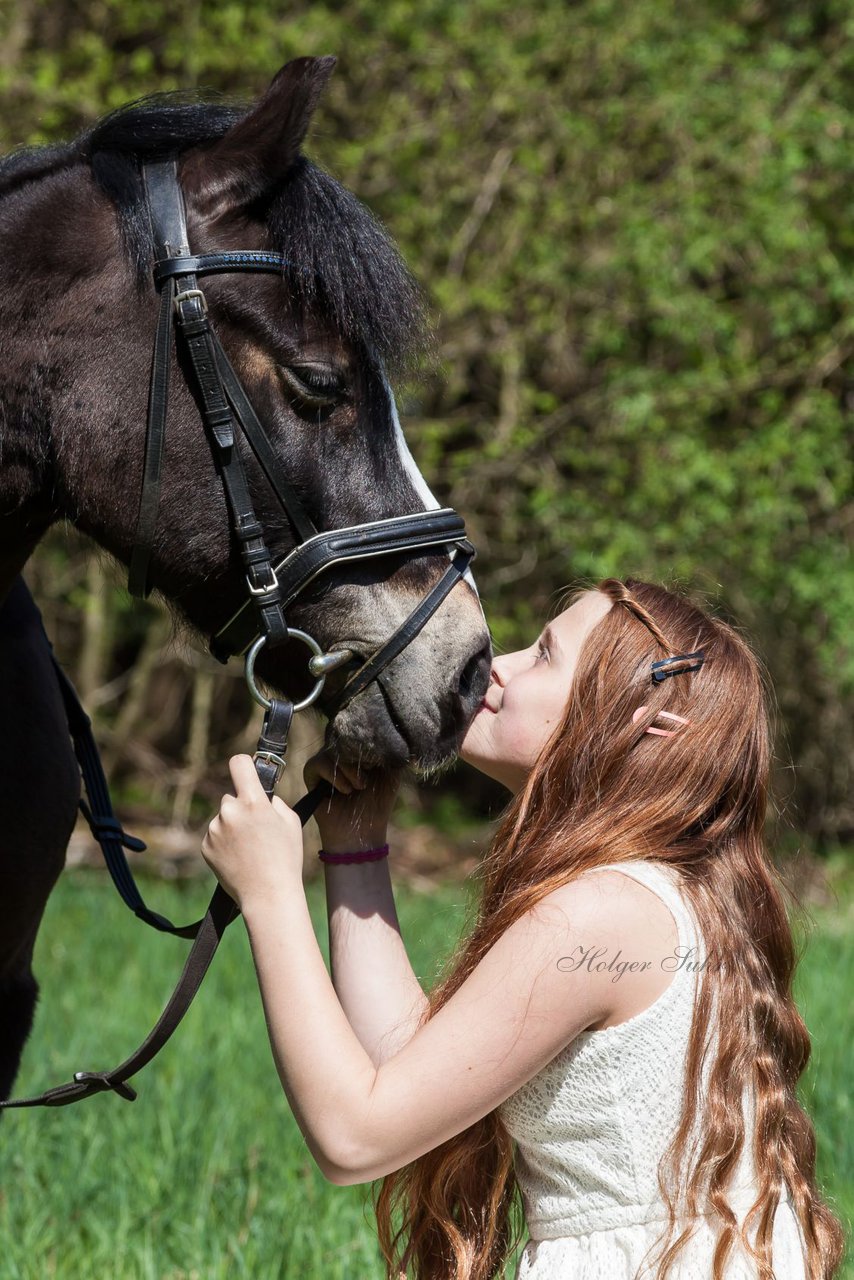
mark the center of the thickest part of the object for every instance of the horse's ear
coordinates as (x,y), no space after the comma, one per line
(254,155)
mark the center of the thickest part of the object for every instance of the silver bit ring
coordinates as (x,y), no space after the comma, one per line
(256,648)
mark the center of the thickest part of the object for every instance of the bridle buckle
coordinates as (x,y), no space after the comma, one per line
(263,591)
(272,757)
(185,294)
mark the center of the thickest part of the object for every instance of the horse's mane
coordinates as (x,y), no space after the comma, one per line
(341,260)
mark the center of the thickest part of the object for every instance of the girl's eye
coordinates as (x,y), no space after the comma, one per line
(542,652)
(315,385)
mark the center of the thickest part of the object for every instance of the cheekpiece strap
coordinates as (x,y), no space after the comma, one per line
(166,209)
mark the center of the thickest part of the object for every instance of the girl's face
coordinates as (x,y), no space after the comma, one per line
(527,695)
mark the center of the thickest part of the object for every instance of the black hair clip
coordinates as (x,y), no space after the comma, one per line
(696,659)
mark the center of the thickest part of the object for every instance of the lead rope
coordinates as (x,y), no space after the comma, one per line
(97,809)
(207,932)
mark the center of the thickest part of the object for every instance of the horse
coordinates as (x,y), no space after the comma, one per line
(314,346)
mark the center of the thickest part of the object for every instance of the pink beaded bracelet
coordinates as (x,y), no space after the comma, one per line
(363,855)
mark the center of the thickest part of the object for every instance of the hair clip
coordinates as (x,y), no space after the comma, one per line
(658,674)
(667,715)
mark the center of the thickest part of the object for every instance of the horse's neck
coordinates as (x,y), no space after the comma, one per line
(28,360)
(48,257)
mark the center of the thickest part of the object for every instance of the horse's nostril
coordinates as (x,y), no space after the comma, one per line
(473,677)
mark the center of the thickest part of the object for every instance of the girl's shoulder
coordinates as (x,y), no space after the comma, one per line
(640,932)
(628,888)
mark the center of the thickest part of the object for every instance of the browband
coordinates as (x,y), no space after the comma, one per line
(208,264)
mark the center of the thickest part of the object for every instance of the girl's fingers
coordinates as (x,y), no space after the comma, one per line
(351,774)
(316,767)
(344,778)
(244,775)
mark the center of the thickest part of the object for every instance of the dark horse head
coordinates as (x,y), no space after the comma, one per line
(314,348)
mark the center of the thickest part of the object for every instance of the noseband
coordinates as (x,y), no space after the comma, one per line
(224,407)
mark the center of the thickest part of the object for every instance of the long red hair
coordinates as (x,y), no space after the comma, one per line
(603,791)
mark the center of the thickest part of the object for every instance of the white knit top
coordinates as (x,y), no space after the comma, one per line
(592,1126)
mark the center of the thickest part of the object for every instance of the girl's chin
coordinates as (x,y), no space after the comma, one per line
(473,747)
(469,753)
(476,754)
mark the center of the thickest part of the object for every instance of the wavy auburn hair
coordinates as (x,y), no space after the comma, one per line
(604,791)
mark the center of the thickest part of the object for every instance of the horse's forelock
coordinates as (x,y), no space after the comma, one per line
(344,268)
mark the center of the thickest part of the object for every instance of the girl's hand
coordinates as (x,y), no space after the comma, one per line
(253,846)
(356,817)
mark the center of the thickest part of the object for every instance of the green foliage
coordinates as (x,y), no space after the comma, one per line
(632,222)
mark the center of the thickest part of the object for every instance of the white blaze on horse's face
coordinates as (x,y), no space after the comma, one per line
(410,466)
(420,705)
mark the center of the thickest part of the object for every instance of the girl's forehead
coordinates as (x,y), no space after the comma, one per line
(582,614)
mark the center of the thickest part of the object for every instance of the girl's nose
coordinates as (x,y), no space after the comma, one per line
(502,669)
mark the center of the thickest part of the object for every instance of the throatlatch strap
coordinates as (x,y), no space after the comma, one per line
(158,398)
(168,221)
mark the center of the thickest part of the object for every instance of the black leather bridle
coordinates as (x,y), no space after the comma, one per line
(271,589)
(225,407)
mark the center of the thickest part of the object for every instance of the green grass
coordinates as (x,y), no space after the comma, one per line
(823,989)
(207,1174)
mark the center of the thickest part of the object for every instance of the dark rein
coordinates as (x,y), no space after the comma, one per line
(271,588)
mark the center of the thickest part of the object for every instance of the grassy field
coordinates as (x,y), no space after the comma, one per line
(207,1176)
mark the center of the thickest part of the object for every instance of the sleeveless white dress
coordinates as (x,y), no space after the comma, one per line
(592,1126)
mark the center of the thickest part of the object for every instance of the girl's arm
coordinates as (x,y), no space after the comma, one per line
(511,1016)
(371,971)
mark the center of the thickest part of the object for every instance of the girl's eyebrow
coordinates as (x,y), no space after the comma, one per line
(551,640)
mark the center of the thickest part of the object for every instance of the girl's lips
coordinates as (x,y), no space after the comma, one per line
(484,706)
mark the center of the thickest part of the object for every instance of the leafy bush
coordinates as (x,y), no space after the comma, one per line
(632,224)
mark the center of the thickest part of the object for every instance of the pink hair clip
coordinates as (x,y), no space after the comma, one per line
(667,715)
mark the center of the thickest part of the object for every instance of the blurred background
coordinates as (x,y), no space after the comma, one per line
(633,226)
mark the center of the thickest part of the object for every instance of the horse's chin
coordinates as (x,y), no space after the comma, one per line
(371,733)
(372,742)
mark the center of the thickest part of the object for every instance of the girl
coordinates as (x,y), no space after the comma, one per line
(622,1008)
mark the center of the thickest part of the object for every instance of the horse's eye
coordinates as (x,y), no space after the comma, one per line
(316,385)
